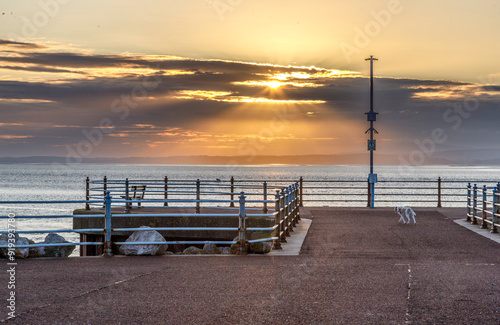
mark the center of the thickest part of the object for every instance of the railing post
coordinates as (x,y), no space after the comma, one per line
(439,193)
(294,205)
(369,199)
(496,211)
(291,211)
(165,204)
(287,212)
(128,205)
(469,190)
(107,241)
(242,225)
(104,188)
(474,205)
(298,202)
(87,193)
(232,191)
(372,195)
(198,196)
(277,207)
(301,191)
(283,215)
(264,209)
(483,219)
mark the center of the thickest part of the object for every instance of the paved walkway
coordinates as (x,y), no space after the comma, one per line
(294,243)
(356,267)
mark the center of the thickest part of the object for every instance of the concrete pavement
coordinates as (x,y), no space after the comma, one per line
(357,266)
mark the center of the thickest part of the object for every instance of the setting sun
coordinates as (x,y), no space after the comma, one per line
(273,84)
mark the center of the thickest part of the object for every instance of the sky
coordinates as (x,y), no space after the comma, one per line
(238,77)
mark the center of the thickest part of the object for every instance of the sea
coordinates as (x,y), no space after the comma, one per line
(33,182)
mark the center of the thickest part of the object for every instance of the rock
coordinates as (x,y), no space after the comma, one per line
(4,241)
(34,252)
(235,248)
(22,252)
(144,236)
(261,247)
(225,250)
(169,253)
(53,251)
(19,252)
(210,248)
(191,250)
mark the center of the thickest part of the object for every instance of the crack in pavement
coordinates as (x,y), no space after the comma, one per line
(81,295)
(111,285)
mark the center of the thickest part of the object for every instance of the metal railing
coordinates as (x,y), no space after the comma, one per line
(438,193)
(176,192)
(285,214)
(12,232)
(483,204)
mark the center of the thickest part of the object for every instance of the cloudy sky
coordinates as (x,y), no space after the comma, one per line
(240,77)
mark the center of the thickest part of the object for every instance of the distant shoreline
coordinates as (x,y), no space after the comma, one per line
(298,160)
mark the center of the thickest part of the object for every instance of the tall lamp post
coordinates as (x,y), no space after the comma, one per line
(372,145)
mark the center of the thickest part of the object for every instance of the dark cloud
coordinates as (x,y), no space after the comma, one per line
(38,69)
(491,88)
(21,45)
(72,60)
(184,93)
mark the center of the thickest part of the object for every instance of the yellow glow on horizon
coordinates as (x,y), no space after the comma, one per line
(11,124)
(244,99)
(317,78)
(297,75)
(319,73)
(257,132)
(446,92)
(228,97)
(201,94)
(10,137)
(26,100)
(276,84)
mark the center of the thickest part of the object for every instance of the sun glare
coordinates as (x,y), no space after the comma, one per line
(273,84)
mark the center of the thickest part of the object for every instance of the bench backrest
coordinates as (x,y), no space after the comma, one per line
(138,191)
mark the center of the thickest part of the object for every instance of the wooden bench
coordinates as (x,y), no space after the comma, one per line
(136,193)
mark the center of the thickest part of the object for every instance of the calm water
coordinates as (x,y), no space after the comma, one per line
(44,182)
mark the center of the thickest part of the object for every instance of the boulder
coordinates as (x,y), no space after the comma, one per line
(141,249)
(191,250)
(260,247)
(53,251)
(34,252)
(19,252)
(210,248)
(235,248)
(225,250)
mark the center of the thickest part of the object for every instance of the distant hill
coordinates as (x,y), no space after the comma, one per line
(443,158)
